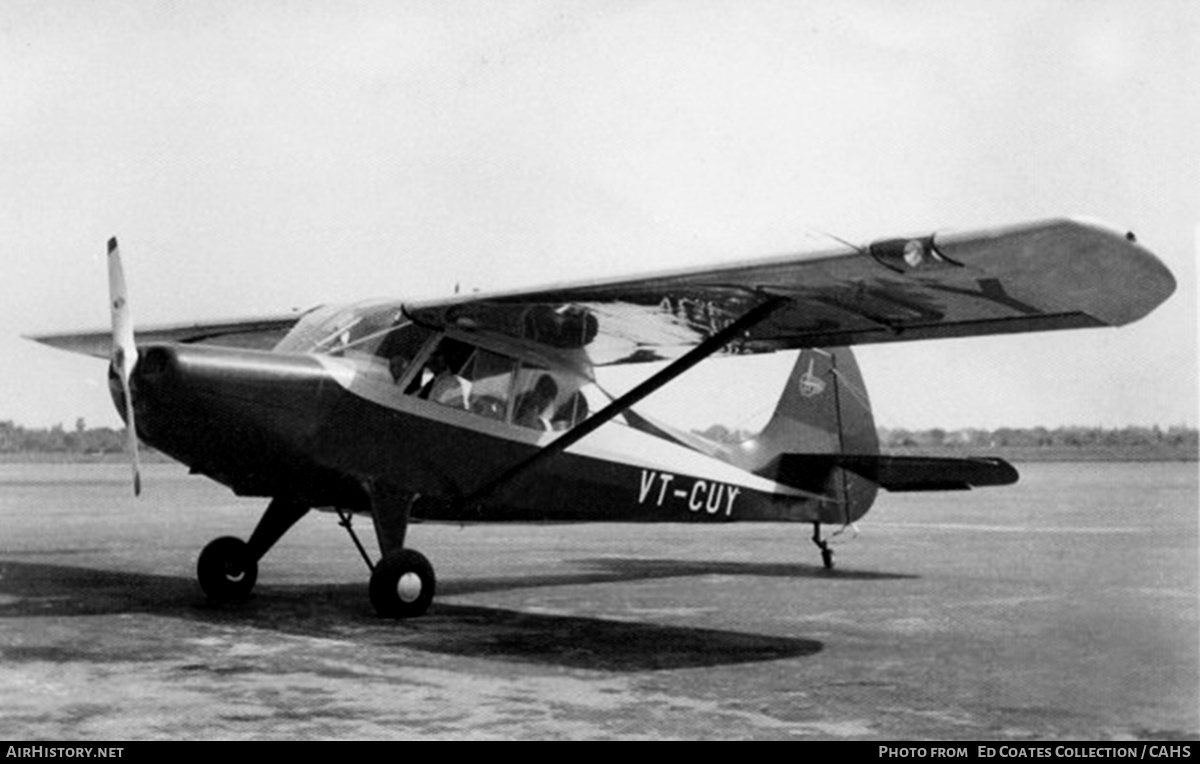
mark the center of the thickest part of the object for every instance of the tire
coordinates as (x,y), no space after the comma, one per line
(225,570)
(402,585)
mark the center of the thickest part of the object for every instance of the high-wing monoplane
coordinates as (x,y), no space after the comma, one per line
(486,408)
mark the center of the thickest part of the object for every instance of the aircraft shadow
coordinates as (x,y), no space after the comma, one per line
(342,612)
(616,569)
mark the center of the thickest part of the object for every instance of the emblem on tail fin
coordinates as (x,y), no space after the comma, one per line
(810,384)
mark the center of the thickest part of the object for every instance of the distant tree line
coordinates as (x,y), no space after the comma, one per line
(1041,437)
(1179,441)
(79,440)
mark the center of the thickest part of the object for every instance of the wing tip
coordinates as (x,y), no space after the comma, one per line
(1095,267)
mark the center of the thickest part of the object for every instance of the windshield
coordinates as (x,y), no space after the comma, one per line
(335,328)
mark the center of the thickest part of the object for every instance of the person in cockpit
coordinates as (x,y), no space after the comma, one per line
(534,407)
(440,381)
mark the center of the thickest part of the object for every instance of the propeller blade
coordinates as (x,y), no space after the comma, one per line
(124,352)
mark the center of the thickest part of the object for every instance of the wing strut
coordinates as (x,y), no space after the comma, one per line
(745,322)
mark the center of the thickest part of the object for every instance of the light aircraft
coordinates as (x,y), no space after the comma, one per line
(485,407)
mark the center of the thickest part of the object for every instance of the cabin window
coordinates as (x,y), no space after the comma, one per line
(535,404)
(570,412)
(547,400)
(440,372)
(496,386)
(380,343)
(489,379)
(460,376)
(400,347)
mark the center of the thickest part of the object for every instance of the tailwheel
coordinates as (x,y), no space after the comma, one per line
(827,558)
(226,570)
(823,545)
(402,584)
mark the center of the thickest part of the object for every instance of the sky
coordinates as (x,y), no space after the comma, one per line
(259,157)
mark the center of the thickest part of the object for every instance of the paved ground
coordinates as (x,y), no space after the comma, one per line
(1064,607)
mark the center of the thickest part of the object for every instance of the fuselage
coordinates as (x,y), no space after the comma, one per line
(319,426)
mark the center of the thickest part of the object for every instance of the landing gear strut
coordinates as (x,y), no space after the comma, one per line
(823,545)
(402,583)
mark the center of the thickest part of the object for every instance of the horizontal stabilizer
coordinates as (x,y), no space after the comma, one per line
(898,473)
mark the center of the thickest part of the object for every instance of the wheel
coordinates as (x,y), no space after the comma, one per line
(402,584)
(225,570)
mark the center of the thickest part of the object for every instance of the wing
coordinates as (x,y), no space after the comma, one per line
(254,333)
(1054,274)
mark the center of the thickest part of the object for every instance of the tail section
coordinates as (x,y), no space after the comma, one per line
(822,439)
(824,411)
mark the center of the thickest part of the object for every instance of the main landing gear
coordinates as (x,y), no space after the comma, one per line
(228,567)
(402,582)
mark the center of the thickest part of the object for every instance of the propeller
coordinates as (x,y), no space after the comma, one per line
(124,352)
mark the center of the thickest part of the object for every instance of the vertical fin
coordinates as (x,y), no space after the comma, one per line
(824,409)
